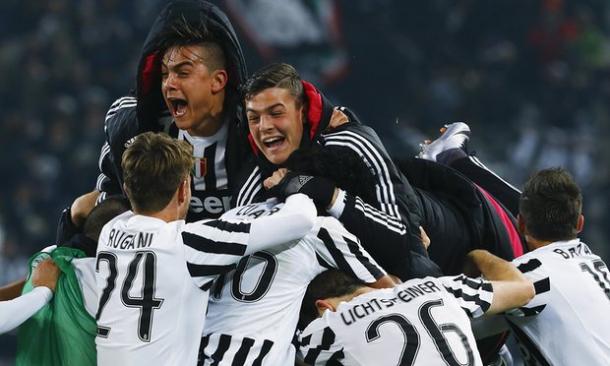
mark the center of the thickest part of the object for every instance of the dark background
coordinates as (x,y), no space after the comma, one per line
(531,77)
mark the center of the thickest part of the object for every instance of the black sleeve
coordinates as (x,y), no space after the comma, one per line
(120,127)
(384,240)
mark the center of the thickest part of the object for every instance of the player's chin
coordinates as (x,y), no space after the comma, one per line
(183,123)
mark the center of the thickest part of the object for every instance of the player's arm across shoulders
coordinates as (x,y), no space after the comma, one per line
(213,247)
(318,344)
(474,295)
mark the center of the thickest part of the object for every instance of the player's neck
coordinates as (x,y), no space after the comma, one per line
(168,214)
(208,127)
(533,243)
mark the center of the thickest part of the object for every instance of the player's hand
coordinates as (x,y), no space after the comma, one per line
(45,274)
(425,239)
(82,206)
(337,119)
(320,190)
(275,178)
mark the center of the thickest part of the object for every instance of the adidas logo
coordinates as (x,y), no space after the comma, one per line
(303,179)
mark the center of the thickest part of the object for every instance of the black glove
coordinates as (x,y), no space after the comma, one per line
(319,189)
(65,228)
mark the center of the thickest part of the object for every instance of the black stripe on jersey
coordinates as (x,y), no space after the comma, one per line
(267,344)
(210,176)
(531,311)
(174,131)
(328,338)
(203,244)
(529,266)
(242,352)
(334,360)
(236,227)
(542,285)
(475,285)
(335,253)
(536,357)
(473,298)
(200,270)
(355,249)
(206,286)
(223,345)
(202,345)
(322,262)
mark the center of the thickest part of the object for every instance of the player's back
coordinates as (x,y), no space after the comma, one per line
(254,310)
(416,323)
(573,326)
(147,298)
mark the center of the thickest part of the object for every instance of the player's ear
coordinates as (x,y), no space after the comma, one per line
(520,224)
(183,190)
(580,224)
(322,305)
(219,80)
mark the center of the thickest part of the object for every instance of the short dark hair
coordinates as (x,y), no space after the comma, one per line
(278,75)
(330,283)
(154,165)
(102,213)
(551,204)
(182,33)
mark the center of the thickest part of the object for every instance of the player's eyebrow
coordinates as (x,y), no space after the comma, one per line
(178,65)
(278,104)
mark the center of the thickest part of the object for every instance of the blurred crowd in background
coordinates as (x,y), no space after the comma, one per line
(532,78)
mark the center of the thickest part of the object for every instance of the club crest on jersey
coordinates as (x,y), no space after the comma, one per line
(201,167)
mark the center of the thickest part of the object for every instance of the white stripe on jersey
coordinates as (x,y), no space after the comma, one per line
(100,180)
(103,152)
(479,163)
(364,148)
(380,217)
(252,184)
(121,103)
(261,299)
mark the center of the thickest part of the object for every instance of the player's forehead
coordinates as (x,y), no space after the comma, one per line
(183,54)
(270,98)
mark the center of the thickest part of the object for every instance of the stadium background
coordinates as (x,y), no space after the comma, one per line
(531,77)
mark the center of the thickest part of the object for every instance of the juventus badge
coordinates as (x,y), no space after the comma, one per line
(201,167)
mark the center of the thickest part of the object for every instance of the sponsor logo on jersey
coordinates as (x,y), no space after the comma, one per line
(210,205)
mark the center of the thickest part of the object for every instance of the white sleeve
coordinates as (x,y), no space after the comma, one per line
(534,270)
(474,295)
(293,221)
(14,312)
(338,248)
(214,247)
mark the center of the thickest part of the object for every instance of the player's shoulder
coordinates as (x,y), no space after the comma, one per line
(317,326)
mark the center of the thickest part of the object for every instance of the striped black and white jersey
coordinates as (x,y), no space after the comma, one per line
(253,311)
(153,278)
(211,194)
(572,303)
(420,322)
